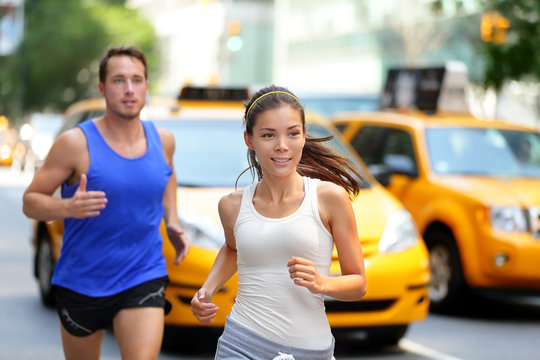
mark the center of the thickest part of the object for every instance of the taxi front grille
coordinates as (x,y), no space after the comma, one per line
(356,306)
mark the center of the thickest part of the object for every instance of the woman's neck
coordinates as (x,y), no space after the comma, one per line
(276,189)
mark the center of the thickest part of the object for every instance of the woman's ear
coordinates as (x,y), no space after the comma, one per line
(248,140)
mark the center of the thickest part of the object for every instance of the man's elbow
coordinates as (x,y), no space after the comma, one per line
(27,207)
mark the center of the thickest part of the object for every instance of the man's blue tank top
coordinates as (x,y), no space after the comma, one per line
(122,247)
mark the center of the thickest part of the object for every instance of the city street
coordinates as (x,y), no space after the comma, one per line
(28,330)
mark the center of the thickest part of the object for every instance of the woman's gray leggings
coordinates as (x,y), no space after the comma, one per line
(239,343)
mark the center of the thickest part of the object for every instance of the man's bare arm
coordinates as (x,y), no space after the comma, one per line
(67,161)
(176,235)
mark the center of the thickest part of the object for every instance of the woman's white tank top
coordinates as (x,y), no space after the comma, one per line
(268,301)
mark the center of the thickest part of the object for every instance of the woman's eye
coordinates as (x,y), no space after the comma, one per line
(267,135)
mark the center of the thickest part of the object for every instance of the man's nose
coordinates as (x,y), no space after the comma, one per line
(129,86)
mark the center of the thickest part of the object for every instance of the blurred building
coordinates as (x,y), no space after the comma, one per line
(211,41)
(347,45)
(320,45)
(11,25)
(339,45)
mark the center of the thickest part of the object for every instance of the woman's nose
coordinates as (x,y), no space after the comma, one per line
(281,143)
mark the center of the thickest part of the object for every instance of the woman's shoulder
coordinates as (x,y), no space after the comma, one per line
(231,200)
(329,192)
(328,187)
(229,207)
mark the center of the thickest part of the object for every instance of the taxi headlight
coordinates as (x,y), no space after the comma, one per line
(41,146)
(399,233)
(508,219)
(200,230)
(5,151)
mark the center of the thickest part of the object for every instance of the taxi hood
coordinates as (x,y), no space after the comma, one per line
(202,201)
(507,191)
(372,208)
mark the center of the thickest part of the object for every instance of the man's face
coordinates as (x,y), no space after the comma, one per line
(125,87)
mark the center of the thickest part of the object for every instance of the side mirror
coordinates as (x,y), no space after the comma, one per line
(381,173)
(401,164)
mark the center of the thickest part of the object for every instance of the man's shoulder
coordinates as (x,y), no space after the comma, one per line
(72,138)
(68,153)
(163,131)
(167,138)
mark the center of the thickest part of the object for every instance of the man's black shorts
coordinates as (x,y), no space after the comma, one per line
(83,315)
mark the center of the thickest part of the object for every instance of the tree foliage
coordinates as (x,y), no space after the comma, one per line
(57,61)
(518,57)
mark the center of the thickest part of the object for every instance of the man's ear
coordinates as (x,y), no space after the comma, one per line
(249,140)
(101,88)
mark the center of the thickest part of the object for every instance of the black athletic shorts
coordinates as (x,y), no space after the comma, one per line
(83,315)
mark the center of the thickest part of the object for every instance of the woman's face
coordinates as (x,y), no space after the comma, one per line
(278,140)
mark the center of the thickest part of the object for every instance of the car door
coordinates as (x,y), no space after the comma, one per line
(390,148)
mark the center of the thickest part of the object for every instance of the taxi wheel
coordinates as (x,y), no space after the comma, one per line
(44,271)
(447,282)
(198,340)
(355,340)
(387,335)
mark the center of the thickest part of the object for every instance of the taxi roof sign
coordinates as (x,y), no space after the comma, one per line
(213,93)
(432,89)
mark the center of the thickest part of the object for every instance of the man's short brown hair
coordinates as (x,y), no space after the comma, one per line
(130,51)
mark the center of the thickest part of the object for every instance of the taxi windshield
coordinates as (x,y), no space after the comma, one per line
(478,151)
(209,153)
(212,153)
(329,105)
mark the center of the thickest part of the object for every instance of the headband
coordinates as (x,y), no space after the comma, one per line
(268,93)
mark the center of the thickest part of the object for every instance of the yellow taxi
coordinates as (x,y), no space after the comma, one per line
(471,185)
(210,154)
(8,142)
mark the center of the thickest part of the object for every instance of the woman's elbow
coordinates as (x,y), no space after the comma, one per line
(360,290)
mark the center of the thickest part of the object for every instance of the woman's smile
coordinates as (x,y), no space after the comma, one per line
(281,161)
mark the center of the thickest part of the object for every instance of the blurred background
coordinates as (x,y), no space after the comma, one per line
(49,49)
(321,50)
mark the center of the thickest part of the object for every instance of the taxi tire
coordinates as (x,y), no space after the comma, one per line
(387,335)
(191,340)
(44,264)
(444,256)
(355,340)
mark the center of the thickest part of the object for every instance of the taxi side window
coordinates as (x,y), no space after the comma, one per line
(78,118)
(380,145)
(399,142)
(369,144)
